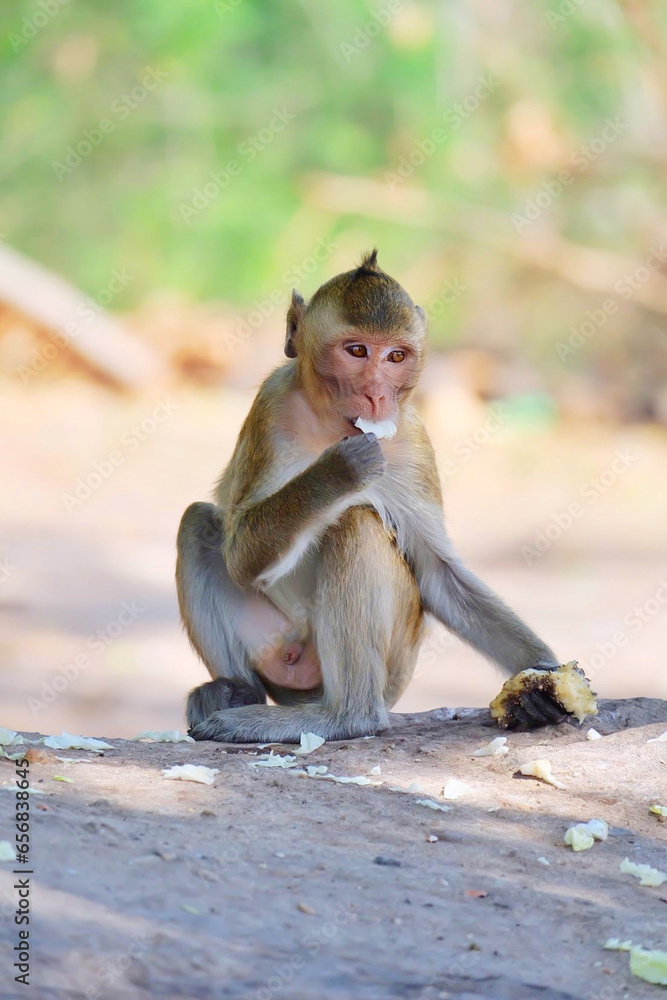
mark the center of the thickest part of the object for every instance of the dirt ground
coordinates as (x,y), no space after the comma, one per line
(269,885)
(140,893)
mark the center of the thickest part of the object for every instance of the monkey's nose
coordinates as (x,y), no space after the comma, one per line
(376,404)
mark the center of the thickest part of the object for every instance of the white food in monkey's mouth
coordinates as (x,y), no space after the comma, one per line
(381,428)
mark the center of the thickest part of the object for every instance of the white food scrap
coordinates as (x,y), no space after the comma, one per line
(658,810)
(431,839)
(582,836)
(9,738)
(320,771)
(579,837)
(166,736)
(13,787)
(381,428)
(544,861)
(541,769)
(414,788)
(7,852)
(376,770)
(659,739)
(356,779)
(309,742)
(454,789)
(191,772)
(61,777)
(598,828)
(274,760)
(430,804)
(492,749)
(593,734)
(651,966)
(615,944)
(645,874)
(68,742)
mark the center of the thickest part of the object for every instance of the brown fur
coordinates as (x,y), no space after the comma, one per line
(341,534)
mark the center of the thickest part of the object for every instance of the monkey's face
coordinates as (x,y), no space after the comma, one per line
(368,374)
(359,343)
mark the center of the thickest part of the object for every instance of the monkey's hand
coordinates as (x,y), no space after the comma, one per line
(358,460)
(542,695)
(537,707)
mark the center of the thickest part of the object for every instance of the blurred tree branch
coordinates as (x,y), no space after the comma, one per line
(85,328)
(586,268)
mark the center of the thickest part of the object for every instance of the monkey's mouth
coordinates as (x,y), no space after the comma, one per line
(381,428)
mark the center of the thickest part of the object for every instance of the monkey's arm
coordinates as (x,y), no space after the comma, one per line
(469,608)
(453,594)
(268,537)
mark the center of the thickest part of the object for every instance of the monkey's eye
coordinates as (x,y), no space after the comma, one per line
(357,350)
(396,357)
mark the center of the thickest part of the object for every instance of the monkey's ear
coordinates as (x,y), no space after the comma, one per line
(294,317)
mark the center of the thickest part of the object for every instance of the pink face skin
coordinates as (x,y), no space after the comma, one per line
(369,376)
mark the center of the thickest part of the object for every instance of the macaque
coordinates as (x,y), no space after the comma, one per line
(308,579)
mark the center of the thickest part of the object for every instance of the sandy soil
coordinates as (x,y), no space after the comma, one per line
(270,885)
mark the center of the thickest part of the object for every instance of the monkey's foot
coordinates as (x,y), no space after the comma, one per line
(220,694)
(281,724)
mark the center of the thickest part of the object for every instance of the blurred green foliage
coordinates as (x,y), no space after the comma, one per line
(366,84)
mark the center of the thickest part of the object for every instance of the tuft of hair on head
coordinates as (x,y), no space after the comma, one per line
(369,265)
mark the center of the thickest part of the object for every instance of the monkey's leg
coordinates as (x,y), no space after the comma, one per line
(211,605)
(238,636)
(358,602)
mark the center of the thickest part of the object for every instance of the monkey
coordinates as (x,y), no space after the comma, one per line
(308,580)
